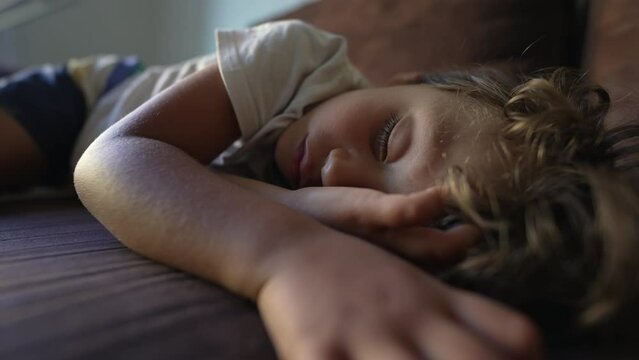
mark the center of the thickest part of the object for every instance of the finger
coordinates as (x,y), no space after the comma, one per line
(317,352)
(430,244)
(383,348)
(443,339)
(507,329)
(419,208)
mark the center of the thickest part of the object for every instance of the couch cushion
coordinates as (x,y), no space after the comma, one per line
(389,36)
(70,290)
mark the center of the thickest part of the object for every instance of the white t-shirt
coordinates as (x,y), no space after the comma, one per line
(272,72)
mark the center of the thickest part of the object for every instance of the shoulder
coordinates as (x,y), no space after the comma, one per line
(287,33)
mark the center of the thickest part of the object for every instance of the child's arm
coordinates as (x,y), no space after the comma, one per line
(402,223)
(320,291)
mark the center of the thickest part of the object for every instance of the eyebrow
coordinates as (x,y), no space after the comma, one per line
(435,140)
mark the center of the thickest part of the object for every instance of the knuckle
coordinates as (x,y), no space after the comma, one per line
(401,211)
(320,351)
(411,211)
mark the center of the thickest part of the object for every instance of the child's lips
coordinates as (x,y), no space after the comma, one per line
(297,173)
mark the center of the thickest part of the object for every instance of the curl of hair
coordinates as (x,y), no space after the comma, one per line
(562,235)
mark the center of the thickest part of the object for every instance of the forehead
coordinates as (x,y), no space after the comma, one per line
(448,130)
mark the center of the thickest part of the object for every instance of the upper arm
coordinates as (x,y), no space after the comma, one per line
(195,115)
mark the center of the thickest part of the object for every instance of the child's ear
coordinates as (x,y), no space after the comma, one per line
(406,78)
(434,247)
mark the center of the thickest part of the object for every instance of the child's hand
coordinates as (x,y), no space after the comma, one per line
(398,222)
(358,302)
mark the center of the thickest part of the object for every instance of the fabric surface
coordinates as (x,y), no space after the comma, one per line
(50,107)
(52,103)
(70,290)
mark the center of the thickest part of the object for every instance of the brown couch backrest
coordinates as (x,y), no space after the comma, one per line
(612,55)
(390,36)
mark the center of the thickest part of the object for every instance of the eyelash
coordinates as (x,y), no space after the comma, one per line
(384,135)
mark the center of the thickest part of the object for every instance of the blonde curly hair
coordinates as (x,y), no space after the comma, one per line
(561,229)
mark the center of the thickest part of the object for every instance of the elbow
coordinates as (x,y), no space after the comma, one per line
(90,175)
(97,188)
(82,178)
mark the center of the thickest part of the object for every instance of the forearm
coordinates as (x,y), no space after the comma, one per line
(272,192)
(164,204)
(323,204)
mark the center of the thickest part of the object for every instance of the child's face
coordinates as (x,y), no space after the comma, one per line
(395,139)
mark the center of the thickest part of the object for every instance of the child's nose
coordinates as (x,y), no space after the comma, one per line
(343,169)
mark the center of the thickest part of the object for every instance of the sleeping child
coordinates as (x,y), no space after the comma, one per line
(275,169)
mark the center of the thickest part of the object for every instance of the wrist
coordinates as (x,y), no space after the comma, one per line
(272,192)
(315,248)
(328,253)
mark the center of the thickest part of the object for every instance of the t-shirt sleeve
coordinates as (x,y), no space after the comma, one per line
(279,68)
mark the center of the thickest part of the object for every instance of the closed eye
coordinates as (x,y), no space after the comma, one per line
(381,140)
